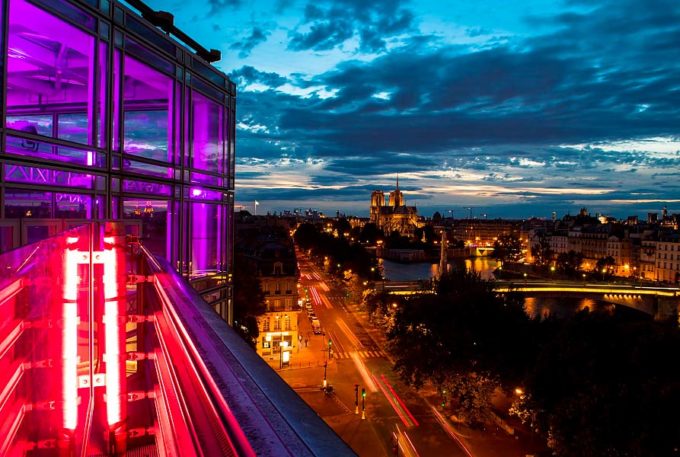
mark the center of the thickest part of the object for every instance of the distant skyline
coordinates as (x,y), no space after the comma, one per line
(517,109)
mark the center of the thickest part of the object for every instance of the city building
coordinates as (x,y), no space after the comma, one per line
(392,215)
(116,197)
(278,274)
(105,117)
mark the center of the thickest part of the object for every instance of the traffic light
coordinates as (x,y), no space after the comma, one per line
(363,393)
(330,343)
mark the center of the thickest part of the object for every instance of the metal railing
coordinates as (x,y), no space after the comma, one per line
(106,350)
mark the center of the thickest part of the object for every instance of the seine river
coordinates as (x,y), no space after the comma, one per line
(534,306)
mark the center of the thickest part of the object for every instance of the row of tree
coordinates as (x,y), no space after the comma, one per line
(343,254)
(594,385)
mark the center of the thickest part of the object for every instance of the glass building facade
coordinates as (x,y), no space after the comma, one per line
(104,116)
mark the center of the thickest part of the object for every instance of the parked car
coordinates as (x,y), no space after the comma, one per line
(316,326)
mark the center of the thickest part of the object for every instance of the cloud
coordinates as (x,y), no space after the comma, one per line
(537,118)
(247,75)
(246,45)
(217,6)
(327,25)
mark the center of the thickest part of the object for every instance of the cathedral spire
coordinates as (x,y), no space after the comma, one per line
(397,181)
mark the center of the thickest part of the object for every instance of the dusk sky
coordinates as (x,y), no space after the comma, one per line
(515,108)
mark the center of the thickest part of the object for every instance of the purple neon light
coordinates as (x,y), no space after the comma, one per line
(199,193)
(49,71)
(208,134)
(47,176)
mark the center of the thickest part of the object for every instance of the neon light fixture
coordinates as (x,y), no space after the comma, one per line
(111,333)
(70,337)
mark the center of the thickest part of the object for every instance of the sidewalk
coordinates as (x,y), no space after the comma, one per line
(313,354)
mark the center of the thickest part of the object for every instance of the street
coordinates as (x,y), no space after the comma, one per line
(397,420)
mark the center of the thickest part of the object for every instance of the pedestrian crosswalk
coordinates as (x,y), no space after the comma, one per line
(362,354)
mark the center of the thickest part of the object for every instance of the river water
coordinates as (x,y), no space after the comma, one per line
(534,306)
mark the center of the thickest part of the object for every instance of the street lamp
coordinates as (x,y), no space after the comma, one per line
(325,382)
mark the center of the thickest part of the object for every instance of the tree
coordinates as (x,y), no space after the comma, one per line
(306,236)
(471,394)
(569,262)
(507,248)
(465,327)
(605,266)
(248,299)
(541,250)
(370,233)
(608,386)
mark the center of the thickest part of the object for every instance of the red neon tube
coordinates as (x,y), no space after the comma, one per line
(70,337)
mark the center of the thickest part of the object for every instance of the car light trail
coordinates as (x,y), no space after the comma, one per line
(401,402)
(348,333)
(450,431)
(363,371)
(392,403)
(326,302)
(324,287)
(405,443)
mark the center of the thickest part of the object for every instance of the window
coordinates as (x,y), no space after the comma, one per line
(147,119)
(49,69)
(207,236)
(208,138)
(156,217)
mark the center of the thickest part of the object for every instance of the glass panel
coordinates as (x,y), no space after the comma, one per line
(72,127)
(116,100)
(199,193)
(207,134)
(149,188)
(148,100)
(206,179)
(37,124)
(27,203)
(73,206)
(103,93)
(148,169)
(52,152)
(7,238)
(207,234)
(47,176)
(49,69)
(153,215)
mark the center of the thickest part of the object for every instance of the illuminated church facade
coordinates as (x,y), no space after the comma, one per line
(392,214)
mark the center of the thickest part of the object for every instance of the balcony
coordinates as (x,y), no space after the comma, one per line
(105,350)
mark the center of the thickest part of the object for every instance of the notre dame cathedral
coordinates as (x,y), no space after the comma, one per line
(393,215)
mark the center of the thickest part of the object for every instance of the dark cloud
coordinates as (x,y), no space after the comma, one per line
(245,46)
(217,6)
(249,75)
(607,72)
(327,25)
